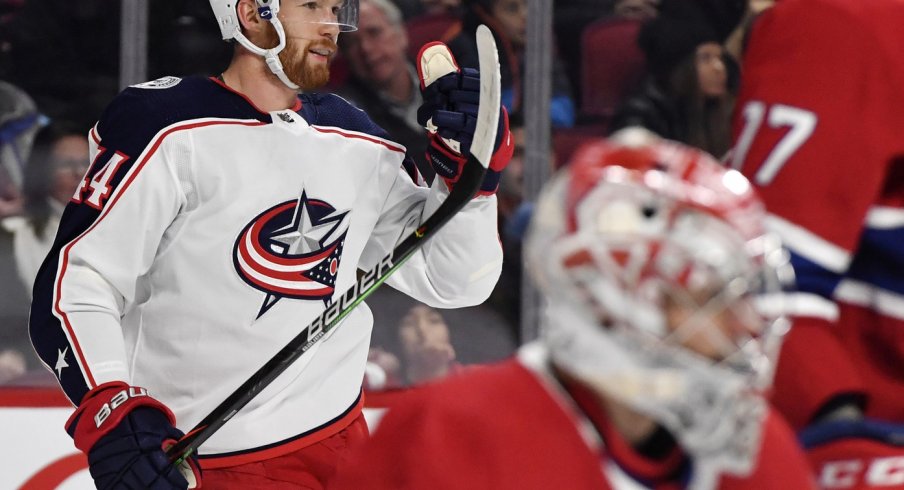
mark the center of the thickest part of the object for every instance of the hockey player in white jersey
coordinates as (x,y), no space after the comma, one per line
(219,216)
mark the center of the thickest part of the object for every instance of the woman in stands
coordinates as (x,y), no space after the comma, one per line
(690,92)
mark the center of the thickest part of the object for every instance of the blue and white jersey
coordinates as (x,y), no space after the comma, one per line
(208,233)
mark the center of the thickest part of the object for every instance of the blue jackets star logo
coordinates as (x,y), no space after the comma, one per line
(292,250)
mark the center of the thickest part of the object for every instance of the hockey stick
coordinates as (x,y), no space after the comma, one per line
(467,185)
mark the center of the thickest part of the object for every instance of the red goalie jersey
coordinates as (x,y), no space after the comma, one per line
(509,427)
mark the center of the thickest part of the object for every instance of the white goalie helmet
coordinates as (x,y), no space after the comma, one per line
(662,287)
(343,14)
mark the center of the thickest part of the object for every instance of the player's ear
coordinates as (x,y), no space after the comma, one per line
(251,22)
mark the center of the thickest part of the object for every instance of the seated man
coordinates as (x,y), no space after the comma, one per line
(383,81)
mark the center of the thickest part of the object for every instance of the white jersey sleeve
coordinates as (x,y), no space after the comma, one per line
(105,262)
(459,266)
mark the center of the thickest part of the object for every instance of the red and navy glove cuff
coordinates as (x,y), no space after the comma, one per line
(490,183)
(104,407)
(448,163)
(502,155)
(445,162)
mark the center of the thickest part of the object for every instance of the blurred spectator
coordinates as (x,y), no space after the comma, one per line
(426,347)
(56,168)
(19,122)
(480,334)
(12,365)
(508,21)
(383,81)
(690,93)
(424,352)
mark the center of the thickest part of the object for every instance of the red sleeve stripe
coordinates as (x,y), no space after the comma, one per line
(120,190)
(362,136)
(94,135)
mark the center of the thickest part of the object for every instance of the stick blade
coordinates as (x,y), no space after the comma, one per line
(490,97)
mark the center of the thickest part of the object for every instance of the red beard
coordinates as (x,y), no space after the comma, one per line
(295,62)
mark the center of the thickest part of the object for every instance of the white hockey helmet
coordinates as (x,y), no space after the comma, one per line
(661,283)
(345,16)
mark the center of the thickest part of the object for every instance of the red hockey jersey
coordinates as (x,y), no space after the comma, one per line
(820,132)
(507,427)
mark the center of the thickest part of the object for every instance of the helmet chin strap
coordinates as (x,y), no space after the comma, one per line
(271,56)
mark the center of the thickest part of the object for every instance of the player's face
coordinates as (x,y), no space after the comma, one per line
(311,33)
(703,322)
(712,75)
(376,52)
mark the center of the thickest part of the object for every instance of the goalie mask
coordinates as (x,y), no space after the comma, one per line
(341,13)
(661,281)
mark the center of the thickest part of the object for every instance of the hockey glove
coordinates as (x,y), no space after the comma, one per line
(449,112)
(125,432)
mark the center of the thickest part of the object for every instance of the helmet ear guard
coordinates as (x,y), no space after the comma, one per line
(227,19)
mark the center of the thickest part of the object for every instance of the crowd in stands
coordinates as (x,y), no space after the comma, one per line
(671,66)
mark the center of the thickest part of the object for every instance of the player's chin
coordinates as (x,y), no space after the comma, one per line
(313,78)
